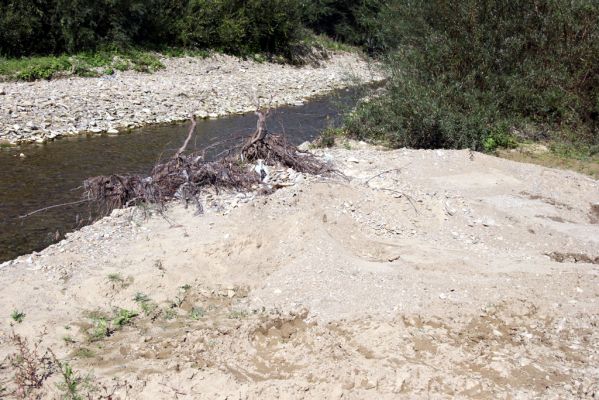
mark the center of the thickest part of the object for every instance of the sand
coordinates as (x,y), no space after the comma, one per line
(424,274)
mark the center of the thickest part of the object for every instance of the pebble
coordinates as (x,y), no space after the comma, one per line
(78,105)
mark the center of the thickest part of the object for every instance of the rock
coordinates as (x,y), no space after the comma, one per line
(112,131)
(22,155)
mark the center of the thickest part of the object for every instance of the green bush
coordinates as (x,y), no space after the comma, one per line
(43,27)
(242,27)
(361,23)
(463,70)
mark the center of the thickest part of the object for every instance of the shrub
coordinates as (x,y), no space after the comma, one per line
(462,71)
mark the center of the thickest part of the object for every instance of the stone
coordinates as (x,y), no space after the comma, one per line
(112,131)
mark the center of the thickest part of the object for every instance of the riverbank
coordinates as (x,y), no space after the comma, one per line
(445,274)
(205,87)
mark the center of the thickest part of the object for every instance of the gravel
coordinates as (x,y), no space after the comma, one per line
(207,88)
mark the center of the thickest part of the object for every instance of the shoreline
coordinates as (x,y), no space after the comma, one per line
(41,111)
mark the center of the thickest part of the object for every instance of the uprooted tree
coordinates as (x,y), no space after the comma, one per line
(184,177)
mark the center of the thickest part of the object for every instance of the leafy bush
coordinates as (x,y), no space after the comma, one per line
(43,27)
(361,23)
(463,71)
(242,27)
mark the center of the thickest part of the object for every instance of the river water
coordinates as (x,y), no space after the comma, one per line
(52,173)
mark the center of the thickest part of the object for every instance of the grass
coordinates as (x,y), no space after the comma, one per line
(581,159)
(331,44)
(17,316)
(85,64)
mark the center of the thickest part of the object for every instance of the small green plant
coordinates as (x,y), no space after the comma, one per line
(71,382)
(197,313)
(118,281)
(144,302)
(99,329)
(123,317)
(498,137)
(328,136)
(17,316)
(141,298)
(116,278)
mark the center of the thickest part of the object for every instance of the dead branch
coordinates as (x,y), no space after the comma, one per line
(189,135)
(54,206)
(185,177)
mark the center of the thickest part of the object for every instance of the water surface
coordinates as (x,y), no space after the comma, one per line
(52,173)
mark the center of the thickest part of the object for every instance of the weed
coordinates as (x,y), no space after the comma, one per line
(197,313)
(123,317)
(115,278)
(328,136)
(99,330)
(141,298)
(31,367)
(186,287)
(144,302)
(17,316)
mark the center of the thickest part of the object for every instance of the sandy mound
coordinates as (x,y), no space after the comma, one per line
(426,274)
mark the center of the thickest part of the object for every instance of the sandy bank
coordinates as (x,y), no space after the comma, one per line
(427,274)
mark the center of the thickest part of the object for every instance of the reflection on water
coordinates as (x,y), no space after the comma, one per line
(52,173)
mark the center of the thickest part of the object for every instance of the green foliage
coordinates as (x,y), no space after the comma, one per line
(123,317)
(242,27)
(99,329)
(73,386)
(81,64)
(17,316)
(42,27)
(462,72)
(361,23)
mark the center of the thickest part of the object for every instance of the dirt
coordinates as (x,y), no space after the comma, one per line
(423,274)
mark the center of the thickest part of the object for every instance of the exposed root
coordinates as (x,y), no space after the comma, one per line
(184,177)
(274,150)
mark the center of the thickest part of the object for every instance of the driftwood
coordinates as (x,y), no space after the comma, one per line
(184,177)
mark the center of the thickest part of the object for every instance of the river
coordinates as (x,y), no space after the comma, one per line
(52,173)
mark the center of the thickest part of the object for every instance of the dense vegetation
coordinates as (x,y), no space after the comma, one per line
(469,73)
(42,27)
(482,73)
